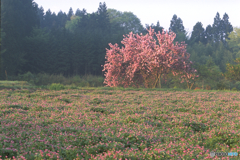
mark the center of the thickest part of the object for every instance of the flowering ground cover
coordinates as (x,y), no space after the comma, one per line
(118,124)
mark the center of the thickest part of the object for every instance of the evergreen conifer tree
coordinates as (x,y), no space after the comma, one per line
(198,33)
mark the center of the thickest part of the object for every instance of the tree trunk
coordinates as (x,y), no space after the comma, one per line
(158,80)
(191,85)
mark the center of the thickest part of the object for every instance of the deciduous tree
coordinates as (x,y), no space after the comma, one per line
(233,71)
(126,20)
(234,41)
(142,60)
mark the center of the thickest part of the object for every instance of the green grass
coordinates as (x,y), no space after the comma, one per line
(114,123)
(43,79)
(15,85)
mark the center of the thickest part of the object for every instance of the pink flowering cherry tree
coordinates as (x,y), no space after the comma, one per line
(143,60)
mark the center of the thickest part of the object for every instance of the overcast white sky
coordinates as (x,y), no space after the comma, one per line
(151,11)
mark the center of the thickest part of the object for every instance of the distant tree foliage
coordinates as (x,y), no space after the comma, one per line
(1,34)
(221,28)
(18,20)
(71,25)
(75,43)
(157,28)
(176,25)
(127,20)
(198,33)
(234,42)
(233,71)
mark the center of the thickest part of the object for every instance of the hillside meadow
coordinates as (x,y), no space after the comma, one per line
(117,123)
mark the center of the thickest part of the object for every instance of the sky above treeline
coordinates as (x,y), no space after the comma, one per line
(151,11)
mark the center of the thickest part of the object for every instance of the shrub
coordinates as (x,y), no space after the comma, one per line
(27,77)
(45,79)
(221,86)
(237,84)
(56,86)
(197,88)
(208,87)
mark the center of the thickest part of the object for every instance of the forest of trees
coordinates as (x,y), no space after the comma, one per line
(75,43)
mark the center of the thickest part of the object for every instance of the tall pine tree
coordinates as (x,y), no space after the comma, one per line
(19,18)
(208,34)
(176,25)
(1,34)
(41,16)
(103,18)
(198,33)
(80,13)
(157,28)
(226,26)
(70,14)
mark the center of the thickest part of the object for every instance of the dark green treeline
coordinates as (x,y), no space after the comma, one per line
(75,43)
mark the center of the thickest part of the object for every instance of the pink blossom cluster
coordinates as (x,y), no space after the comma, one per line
(145,59)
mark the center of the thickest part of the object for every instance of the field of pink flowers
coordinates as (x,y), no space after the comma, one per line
(118,124)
